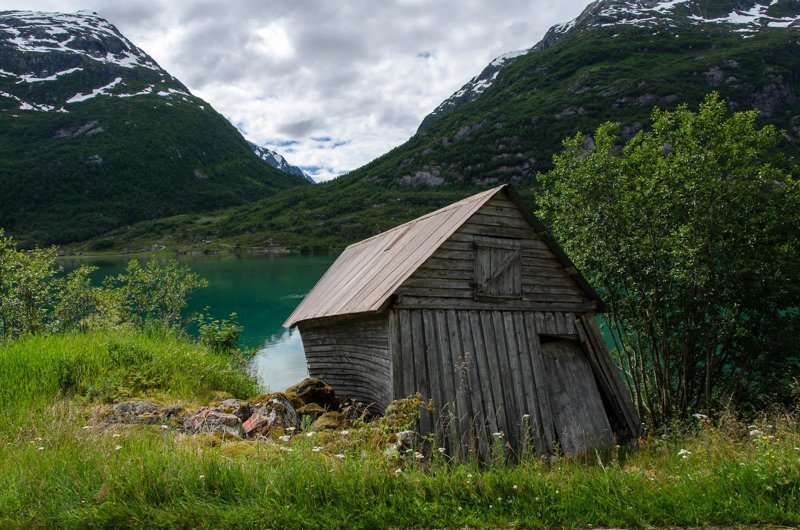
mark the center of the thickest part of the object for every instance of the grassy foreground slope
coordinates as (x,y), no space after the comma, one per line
(55,472)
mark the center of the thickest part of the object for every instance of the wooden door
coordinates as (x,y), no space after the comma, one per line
(580,420)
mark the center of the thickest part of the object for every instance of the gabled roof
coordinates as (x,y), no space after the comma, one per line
(364,277)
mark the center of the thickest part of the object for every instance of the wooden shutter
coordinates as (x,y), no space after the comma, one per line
(498,268)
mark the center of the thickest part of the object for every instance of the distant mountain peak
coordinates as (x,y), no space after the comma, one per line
(44,56)
(745,16)
(277,161)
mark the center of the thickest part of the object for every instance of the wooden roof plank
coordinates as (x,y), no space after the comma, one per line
(367,273)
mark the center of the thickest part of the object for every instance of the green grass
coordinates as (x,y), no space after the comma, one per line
(106,366)
(56,473)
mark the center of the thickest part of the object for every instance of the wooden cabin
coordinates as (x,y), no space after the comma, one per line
(477,308)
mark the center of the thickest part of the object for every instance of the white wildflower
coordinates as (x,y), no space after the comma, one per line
(115,435)
(290,429)
(515,486)
(164,427)
(41,448)
(699,416)
(201,477)
(683,453)
(460,508)
(441,450)
(117,447)
(499,435)
(310,434)
(398,471)
(316,449)
(344,433)
(419,456)
(469,475)
(286,449)
(285,438)
(340,456)
(755,432)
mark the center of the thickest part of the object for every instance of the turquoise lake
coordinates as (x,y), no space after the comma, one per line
(263,291)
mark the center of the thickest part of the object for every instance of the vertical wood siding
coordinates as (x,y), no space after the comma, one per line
(353,357)
(484,370)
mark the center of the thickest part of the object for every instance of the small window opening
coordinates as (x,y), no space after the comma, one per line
(498,268)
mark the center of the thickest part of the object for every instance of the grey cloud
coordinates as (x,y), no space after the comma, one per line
(301,128)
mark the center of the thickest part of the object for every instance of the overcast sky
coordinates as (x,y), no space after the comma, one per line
(331,84)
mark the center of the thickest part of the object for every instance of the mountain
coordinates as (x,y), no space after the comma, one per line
(278,162)
(745,18)
(94,135)
(615,61)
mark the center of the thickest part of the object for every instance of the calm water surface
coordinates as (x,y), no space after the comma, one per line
(263,291)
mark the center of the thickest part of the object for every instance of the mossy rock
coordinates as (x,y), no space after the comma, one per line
(263,398)
(296,401)
(314,390)
(312,409)
(328,422)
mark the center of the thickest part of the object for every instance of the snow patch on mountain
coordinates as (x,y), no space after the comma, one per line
(96,92)
(478,84)
(277,161)
(31,78)
(649,13)
(28,30)
(45,48)
(754,18)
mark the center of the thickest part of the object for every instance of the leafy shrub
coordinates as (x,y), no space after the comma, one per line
(220,335)
(34,298)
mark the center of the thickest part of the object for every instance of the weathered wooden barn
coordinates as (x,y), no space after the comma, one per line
(476,307)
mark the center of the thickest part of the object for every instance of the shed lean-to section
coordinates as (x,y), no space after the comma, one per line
(475,307)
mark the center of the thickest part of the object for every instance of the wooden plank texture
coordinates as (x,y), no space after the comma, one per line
(354,359)
(578,414)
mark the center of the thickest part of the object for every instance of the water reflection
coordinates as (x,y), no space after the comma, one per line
(281,362)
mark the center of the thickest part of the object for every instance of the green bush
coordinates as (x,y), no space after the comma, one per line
(220,335)
(692,232)
(34,298)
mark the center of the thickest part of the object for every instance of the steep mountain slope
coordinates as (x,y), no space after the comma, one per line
(95,135)
(278,161)
(616,61)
